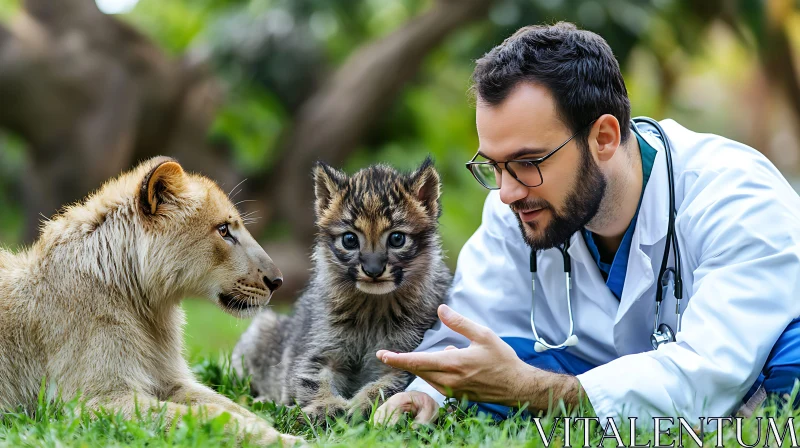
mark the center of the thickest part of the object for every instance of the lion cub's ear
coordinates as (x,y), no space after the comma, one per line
(160,183)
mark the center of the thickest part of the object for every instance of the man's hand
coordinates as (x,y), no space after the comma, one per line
(487,371)
(419,404)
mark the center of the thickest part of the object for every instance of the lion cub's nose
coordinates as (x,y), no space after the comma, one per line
(274,283)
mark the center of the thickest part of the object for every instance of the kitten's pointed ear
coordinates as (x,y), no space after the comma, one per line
(164,180)
(327,181)
(425,185)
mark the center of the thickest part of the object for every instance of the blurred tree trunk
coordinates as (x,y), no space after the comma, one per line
(92,96)
(333,121)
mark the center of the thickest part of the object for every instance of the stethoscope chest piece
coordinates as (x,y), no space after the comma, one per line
(662,336)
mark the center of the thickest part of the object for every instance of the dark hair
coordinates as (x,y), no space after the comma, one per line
(576,66)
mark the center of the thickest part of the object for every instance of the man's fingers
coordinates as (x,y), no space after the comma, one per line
(389,413)
(413,362)
(427,412)
(419,404)
(451,347)
(462,325)
(427,415)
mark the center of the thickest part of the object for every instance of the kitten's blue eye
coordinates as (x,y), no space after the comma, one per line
(350,240)
(397,239)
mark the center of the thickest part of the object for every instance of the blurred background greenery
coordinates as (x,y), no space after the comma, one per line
(261,89)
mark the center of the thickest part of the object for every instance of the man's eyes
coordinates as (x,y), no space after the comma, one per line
(526,163)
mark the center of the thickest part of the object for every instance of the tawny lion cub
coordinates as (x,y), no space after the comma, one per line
(93,305)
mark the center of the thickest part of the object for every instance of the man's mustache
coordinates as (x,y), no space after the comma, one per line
(528,204)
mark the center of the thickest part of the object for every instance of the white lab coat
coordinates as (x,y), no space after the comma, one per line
(738,225)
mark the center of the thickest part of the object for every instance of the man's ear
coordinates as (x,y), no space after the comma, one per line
(327,182)
(425,186)
(164,180)
(608,136)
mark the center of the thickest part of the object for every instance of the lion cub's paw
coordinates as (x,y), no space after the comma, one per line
(287,441)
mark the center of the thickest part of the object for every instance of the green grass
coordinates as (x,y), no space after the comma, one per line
(210,331)
(210,336)
(56,423)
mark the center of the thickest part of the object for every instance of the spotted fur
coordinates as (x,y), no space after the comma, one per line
(323,356)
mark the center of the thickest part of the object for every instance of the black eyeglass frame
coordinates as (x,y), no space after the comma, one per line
(535,162)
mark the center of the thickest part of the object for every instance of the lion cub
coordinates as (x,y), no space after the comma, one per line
(93,305)
(379,276)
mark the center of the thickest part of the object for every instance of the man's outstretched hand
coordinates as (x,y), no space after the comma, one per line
(487,371)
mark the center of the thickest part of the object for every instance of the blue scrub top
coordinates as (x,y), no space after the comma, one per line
(614,272)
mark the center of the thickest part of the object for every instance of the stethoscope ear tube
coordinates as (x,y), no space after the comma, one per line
(663,334)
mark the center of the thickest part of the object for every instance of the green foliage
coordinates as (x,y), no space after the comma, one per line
(12,159)
(250,124)
(8,8)
(272,54)
(175,24)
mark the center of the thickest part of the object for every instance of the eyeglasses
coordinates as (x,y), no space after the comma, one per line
(525,171)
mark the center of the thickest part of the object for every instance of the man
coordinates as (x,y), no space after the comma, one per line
(589,191)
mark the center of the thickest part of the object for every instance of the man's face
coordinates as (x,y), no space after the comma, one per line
(526,126)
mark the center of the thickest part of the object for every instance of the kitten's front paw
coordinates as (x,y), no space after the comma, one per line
(317,410)
(359,407)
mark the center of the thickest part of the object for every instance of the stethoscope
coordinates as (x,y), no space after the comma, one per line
(668,277)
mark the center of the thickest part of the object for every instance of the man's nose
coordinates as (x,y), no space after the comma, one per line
(510,189)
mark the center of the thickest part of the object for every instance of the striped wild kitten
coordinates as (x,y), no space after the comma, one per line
(378,278)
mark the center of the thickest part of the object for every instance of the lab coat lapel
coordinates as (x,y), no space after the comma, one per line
(634,318)
(587,281)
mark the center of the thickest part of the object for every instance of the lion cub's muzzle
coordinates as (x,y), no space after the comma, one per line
(253,291)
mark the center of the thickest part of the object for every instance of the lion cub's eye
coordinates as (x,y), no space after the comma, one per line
(223,230)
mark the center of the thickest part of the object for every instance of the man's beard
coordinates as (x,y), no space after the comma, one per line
(581,205)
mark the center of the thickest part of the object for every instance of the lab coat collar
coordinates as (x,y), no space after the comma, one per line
(594,284)
(653,219)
